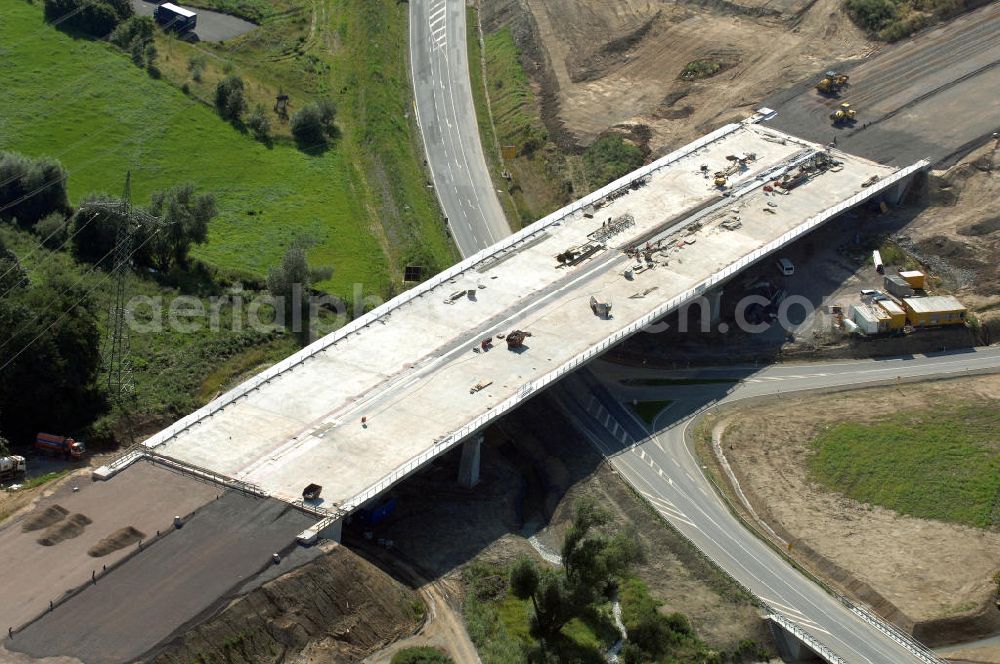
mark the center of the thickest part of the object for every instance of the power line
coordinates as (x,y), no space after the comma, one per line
(72,307)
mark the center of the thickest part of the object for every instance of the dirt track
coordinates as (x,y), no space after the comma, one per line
(948,574)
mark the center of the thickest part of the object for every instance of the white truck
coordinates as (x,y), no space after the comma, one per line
(11,467)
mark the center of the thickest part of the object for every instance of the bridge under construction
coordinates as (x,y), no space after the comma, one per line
(365,406)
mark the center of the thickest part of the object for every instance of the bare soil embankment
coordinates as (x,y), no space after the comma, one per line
(932,578)
(600,64)
(338,608)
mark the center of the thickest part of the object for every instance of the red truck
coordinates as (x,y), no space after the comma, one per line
(67,447)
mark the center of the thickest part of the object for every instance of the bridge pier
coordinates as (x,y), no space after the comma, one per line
(714,305)
(468,467)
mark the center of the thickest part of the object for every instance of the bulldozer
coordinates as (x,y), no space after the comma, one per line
(844,114)
(832,83)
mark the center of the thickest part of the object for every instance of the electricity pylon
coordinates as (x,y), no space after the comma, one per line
(116,360)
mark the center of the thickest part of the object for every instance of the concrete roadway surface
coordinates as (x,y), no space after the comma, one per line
(447,118)
(662,467)
(932,96)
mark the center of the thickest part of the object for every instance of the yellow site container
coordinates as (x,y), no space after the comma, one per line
(915,278)
(897,316)
(936,310)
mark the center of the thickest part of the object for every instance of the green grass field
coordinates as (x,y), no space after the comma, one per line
(942,464)
(363,201)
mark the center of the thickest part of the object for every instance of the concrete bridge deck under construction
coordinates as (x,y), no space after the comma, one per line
(410,369)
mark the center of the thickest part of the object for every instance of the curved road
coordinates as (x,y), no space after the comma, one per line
(447,118)
(661,466)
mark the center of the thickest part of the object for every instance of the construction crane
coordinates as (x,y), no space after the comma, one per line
(843,115)
(832,83)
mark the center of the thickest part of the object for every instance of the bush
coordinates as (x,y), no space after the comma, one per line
(420,655)
(872,15)
(51,230)
(259,124)
(609,158)
(196,66)
(230,100)
(135,29)
(97,18)
(31,188)
(313,123)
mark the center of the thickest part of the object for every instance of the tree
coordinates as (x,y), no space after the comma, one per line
(289,284)
(184,217)
(12,274)
(230,100)
(52,230)
(95,230)
(96,18)
(31,188)
(137,29)
(314,123)
(593,560)
(51,343)
(4,447)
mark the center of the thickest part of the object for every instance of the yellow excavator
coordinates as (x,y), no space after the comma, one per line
(832,83)
(844,114)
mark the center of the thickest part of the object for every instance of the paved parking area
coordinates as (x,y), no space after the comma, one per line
(212,26)
(173,581)
(143,496)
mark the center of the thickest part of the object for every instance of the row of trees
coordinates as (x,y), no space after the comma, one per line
(183,216)
(97,18)
(52,360)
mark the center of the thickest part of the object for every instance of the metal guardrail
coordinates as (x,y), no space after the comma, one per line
(534,386)
(526,234)
(807,638)
(889,630)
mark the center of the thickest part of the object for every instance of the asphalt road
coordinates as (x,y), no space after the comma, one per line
(175,580)
(447,117)
(211,27)
(662,467)
(931,96)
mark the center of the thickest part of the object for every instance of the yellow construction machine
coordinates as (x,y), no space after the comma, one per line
(832,83)
(844,114)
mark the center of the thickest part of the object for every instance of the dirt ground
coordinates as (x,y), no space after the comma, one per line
(609,63)
(931,576)
(144,497)
(958,233)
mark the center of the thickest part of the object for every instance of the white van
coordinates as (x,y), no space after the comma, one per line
(785,267)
